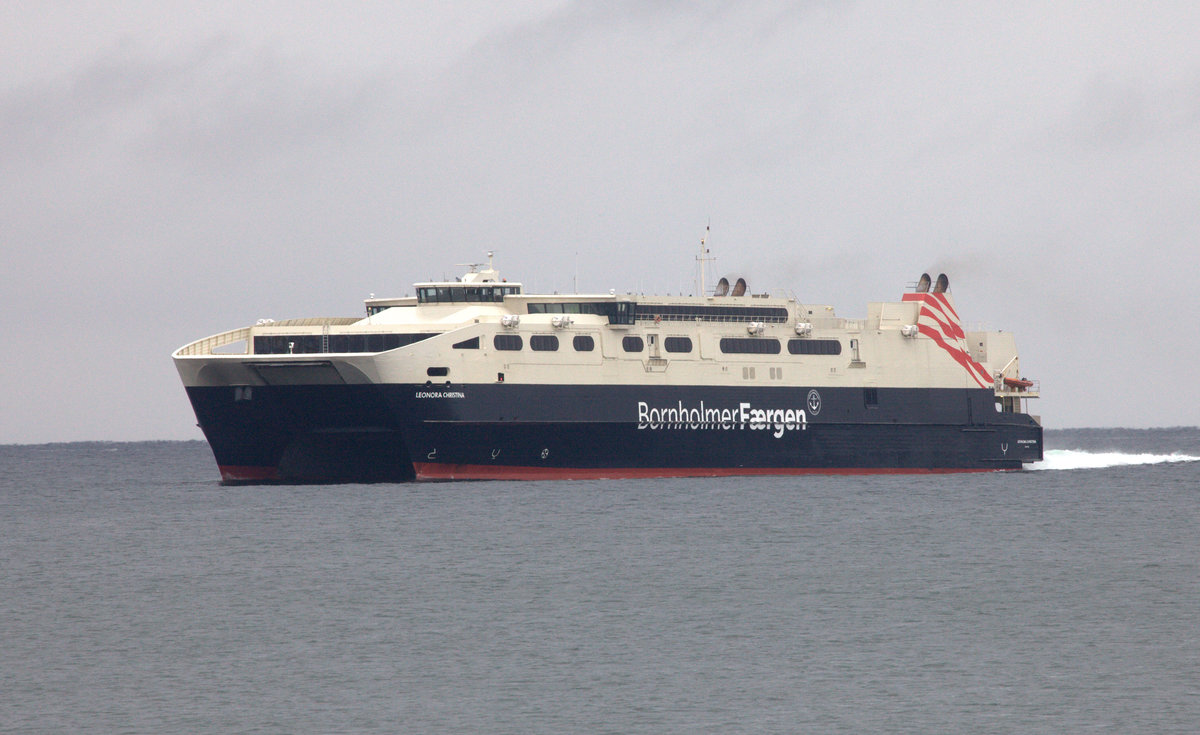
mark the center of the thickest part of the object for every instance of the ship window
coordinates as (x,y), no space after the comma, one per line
(347,343)
(510,342)
(871,397)
(617,312)
(467,344)
(543,343)
(437,372)
(282,344)
(749,346)
(814,346)
(583,343)
(269,345)
(402,340)
(632,344)
(678,344)
(679,313)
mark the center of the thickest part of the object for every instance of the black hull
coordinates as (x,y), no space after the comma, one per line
(376,433)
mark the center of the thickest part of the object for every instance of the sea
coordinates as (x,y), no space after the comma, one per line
(139,595)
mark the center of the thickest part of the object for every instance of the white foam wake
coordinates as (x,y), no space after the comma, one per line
(1077,459)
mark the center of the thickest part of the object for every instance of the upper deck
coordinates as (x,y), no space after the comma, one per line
(481,325)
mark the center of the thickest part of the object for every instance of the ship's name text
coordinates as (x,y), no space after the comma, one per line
(701,417)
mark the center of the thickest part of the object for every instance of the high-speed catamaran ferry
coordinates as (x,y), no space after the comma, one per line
(476,379)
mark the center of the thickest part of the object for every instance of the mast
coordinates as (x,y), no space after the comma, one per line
(703,257)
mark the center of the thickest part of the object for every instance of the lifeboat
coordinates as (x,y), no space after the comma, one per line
(1018,383)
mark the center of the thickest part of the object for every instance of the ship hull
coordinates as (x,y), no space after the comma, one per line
(394,433)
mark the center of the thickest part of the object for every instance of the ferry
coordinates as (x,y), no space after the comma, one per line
(475,379)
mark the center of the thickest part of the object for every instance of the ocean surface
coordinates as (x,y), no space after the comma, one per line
(138,595)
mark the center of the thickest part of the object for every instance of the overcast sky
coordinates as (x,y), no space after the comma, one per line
(170,170)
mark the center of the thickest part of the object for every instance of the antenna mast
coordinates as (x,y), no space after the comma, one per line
(703,257)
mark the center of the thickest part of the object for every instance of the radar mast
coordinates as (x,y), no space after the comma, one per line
(704,257)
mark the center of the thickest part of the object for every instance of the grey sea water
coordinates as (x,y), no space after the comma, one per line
(137,595)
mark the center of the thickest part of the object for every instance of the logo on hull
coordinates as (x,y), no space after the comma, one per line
(814,402)
(702,417)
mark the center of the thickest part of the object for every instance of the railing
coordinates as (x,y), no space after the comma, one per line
(1032,391)
(315,321)
(208,344)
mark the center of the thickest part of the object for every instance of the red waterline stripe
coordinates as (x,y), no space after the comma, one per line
(438,471)
(247,473)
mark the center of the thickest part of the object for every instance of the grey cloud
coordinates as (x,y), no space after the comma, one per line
(1116,113)
(1043,157)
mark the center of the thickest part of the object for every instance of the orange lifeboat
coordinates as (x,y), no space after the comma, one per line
(1018,383)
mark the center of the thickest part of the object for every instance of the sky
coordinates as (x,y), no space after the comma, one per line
(171,170)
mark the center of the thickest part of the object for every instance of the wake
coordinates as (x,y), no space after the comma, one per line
(1077,459)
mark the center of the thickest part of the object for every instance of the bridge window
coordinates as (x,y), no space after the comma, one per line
(469,294)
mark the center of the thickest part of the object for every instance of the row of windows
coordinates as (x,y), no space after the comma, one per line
(317,343)
(618,312)
(677,313)
(581,343)
(751,346)
(631,343)
(470,294)
(299,344)
(537,342)
(672,344)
